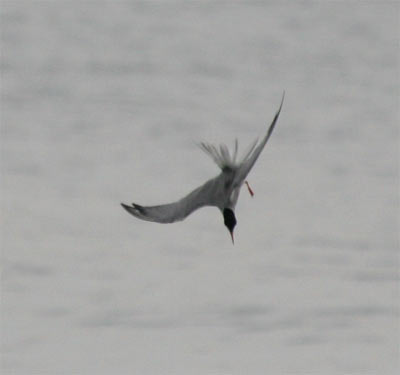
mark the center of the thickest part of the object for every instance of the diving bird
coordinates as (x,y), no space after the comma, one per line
(221,191)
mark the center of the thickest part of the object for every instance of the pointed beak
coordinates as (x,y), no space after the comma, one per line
(233,240)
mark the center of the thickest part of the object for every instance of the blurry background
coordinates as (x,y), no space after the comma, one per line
(102,103)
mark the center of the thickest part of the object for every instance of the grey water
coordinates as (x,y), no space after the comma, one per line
(103,102)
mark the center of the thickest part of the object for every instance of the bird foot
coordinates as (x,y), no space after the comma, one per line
(249,188)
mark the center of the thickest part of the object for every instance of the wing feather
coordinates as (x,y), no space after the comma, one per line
(177,211)
(252,155)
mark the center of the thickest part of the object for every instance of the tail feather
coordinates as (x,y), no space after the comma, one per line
(221,156)
(224,159)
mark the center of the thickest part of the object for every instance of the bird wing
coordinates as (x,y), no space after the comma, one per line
(205,195)
(254,152)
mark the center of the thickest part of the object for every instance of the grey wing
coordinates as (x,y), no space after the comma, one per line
(177,211)
(255,151)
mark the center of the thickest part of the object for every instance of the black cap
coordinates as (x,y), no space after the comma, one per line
(229,219)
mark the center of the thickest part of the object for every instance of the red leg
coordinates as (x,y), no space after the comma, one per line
(249,188)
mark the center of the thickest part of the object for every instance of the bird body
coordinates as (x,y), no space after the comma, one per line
(221,191)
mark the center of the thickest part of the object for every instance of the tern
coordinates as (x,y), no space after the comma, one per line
(221,191)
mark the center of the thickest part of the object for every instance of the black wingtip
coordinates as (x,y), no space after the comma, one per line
(125,206)
(279,110)
(134,210)
(138,207)
(280,107)
(271,127)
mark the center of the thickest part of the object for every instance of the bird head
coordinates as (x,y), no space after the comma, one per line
(229,220)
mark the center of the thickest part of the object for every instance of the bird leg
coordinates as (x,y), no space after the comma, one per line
(249,188)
